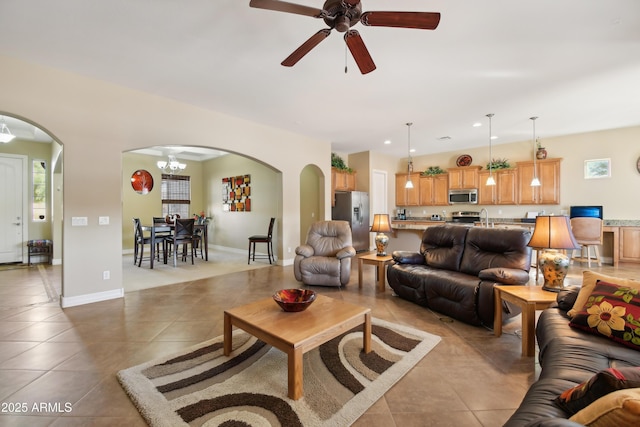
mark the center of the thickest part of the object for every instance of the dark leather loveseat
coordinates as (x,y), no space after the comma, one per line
(456,268)
(568,357)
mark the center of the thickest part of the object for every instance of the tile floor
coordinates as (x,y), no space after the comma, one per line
(64,361)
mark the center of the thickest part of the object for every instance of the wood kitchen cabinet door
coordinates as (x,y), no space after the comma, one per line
(434,190)
(548,172)
(407,196)
(464,177)
(630,244)
(503,193)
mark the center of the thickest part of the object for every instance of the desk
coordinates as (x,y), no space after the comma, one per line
(380,262)
(163,228)
(529,299)
(615,242)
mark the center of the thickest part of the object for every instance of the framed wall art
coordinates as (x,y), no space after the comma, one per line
(597,168)
(236,193)
(142,181)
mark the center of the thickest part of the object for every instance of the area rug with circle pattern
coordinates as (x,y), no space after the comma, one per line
(201,387)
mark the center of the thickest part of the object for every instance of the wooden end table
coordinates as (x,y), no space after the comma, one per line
(529,299)
(297,333)
(380,262)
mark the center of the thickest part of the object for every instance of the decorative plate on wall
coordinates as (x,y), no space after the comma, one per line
(142,181)
(464,160)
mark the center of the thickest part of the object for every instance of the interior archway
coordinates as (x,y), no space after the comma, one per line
(312,205)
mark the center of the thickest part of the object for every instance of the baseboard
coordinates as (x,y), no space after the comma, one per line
(66,302)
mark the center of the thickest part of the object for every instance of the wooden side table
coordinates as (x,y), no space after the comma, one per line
(380,262)
(529,299)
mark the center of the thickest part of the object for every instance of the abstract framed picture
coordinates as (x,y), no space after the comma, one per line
(236,193)
(597,168)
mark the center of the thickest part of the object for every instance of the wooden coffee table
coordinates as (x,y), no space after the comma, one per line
(529,299)
(297,333)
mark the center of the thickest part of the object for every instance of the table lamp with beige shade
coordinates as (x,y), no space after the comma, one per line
(381,225)
(550,234)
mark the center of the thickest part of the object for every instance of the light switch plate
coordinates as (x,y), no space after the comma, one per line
(103,220)
(79,221)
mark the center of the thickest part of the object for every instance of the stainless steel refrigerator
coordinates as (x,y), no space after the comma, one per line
(354,208)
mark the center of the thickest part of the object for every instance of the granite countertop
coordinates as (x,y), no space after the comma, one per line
(421,222)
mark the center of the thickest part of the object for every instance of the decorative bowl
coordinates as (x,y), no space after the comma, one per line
(294,299)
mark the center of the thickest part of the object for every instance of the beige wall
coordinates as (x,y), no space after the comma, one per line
(231,229)
(618,194)
(97,121)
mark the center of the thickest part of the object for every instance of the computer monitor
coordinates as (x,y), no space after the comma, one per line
(586,211)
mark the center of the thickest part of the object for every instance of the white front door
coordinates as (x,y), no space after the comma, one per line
(12,193)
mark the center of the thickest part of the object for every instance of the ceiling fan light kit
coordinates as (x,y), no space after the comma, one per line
(341,15)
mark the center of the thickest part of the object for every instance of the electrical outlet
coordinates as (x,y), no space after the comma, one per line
(106,275)
(289,249)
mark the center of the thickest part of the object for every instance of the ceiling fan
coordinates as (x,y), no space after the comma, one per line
(342,15)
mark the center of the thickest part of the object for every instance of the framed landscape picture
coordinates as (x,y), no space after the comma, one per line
(597,168)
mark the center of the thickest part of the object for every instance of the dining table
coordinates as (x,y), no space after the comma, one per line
(169,227)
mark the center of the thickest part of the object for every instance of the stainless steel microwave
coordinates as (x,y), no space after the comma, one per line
(468,196)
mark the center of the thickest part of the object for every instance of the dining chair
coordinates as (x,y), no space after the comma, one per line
(262,239)
(139,241)
(182,235)
(160,236)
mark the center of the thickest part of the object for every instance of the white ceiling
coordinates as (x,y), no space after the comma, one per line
(573,63)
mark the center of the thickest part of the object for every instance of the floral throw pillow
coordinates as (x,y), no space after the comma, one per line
(612,311)
(601,384)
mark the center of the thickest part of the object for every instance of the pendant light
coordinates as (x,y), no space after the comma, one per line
(409,183)
(490,180)
(535,182)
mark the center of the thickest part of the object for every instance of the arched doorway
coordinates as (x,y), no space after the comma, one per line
(312,204)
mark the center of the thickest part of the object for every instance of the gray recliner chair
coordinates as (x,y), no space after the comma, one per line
(325,259)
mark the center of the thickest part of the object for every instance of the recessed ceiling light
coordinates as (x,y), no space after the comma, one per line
(413,150)
(494,137)
(477,125)
(387,142)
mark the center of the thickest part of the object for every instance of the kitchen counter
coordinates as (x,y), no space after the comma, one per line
(414,226)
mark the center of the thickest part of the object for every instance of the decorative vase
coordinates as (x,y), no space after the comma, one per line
(554,266)
(541,154)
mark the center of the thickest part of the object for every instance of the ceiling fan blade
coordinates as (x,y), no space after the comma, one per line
(419,20)
(283,6)
(359,51)
(313,41)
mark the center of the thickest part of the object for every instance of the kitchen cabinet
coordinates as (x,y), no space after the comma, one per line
(341,180)
(629,244)
(503,193)
(434,190)
(463,177)
(548,193)
(407,196)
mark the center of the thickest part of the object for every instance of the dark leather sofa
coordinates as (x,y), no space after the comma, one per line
(456,268)
(568,357)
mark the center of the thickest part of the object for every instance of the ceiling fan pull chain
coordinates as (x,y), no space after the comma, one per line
(345,58)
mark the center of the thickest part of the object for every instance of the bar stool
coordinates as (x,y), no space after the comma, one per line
(588,233)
